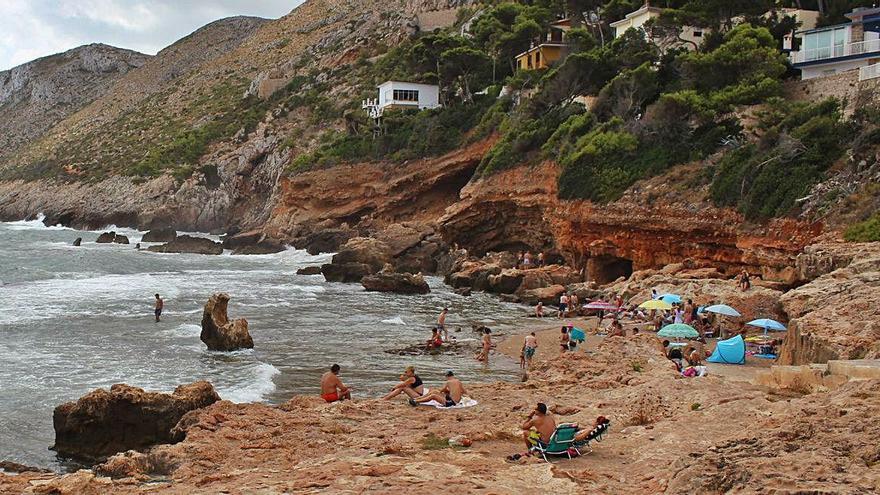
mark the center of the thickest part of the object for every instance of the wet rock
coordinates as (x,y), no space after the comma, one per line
(345,272)
(78,241)
(359,257)
(324,241)
(14,467)
(120,239)
(106,238)
(220,334)
(400,283)
(309,270)
(103,422)
(463,291)
(253,242)
(160,235)
(366,250)
(189,244)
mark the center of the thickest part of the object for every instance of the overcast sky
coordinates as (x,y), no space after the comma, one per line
(31,29)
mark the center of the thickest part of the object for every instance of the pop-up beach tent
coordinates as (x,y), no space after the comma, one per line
(730,351)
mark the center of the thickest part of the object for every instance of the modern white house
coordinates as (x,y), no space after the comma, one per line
(400,94)
(691,37)
(834,49)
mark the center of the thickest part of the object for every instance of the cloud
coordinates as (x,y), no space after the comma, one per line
(31,29)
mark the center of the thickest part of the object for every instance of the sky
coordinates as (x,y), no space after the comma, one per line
(30,29)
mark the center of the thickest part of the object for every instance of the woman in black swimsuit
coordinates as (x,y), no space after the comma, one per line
(410,384)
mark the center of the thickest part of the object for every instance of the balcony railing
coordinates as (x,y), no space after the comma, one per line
(869,72)
(837,51)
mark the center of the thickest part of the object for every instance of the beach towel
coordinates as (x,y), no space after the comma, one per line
(577,334)
(465,402)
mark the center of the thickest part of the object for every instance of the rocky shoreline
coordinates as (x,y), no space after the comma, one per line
(830,303)
(669,435)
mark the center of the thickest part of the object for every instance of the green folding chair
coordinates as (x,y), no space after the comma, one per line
(561,442)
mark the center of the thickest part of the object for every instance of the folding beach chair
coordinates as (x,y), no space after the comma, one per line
(596,435)
(561,442)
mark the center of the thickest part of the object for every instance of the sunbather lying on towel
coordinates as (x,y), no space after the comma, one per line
(449,395)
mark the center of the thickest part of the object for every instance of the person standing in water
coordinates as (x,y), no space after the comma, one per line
(160,305)
(441,324)
(483,355)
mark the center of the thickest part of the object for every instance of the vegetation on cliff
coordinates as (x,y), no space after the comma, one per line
(612,111)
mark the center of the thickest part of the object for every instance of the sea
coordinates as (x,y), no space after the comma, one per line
(74,319)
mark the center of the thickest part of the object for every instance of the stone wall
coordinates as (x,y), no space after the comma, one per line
(844,86)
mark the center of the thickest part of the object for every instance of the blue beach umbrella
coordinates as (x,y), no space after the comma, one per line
(722,309)
(768,324)
(671,298)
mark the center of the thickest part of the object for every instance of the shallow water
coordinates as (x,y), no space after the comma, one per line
(73,319)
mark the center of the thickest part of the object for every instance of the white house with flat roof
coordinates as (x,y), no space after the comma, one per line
(690,37)
(399,94)
(834,49)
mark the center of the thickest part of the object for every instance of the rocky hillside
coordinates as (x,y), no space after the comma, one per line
(255,125)
(37,95)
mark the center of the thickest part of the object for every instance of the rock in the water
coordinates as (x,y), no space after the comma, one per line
(103,422)
(366,250)
(253,242)
(345,272)
(78,241)
(401,283)
(120,239)
(309,270)
(325,240)
(220,334)
(159,235)
(189,244)
(106,237)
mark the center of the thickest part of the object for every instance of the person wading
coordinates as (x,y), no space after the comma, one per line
(160,305)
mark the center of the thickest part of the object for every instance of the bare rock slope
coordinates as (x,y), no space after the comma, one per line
(36,95)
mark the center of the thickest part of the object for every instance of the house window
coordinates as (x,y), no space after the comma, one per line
(698,34)
(825,44)
(537,59)
(406,95)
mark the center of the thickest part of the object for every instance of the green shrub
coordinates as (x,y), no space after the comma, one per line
(765,180)
(867,231)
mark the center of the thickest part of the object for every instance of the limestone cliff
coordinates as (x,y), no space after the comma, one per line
(37,95)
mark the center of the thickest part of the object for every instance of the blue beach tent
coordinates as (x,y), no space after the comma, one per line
(730,351)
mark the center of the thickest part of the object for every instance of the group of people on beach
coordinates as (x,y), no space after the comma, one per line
(410,384)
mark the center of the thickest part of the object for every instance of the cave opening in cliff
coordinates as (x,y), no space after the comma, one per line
(606,269)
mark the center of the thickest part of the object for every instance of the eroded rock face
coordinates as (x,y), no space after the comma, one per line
(189,244)
(837,315)
(120,239)
(220,334)
(401,283)
(103,422)
(160,235)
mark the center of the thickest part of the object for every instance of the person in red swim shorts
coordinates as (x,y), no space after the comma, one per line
(332,388)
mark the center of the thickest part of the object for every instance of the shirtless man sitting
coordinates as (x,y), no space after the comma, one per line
(539,426)
(448,396)
(332,388)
